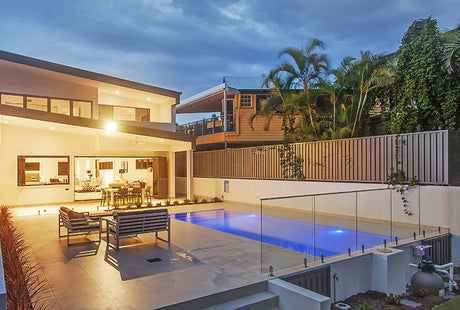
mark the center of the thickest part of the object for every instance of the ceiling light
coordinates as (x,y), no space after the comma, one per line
(162,140)
(52,128)
(117,92)
(148,98)
(110,127)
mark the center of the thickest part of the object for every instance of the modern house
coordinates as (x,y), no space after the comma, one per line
(67,132)
(234,101)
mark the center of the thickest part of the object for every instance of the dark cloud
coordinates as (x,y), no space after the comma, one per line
(190,45)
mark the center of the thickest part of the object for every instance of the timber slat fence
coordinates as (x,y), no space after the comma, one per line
(423,155)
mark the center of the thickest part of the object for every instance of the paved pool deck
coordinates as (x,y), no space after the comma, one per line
(198,262)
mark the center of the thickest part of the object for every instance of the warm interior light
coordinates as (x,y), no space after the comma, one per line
(162,140)
(52,128)
(110,127)
(148,98)
(117,92)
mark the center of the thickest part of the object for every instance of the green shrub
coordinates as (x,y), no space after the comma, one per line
(418,291)
(216,199)
(365,306)
(393,299)
(150,204)
(168,202)
(186,201)
(195,200)
(115,206)
(204,201)
(158,204)
(175,202)
(138,204)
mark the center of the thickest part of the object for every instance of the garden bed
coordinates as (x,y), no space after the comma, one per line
(378,301)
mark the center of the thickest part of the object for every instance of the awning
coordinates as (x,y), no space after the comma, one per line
(207,101)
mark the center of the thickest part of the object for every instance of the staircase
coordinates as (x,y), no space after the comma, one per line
(251,297)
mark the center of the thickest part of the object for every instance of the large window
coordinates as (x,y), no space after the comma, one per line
(37,103)
(60,106)
(119,113)
(43,170)
(80,108)
(246,101)
(13,100)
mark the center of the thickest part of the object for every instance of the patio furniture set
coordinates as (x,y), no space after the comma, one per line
(125,194)
(118,224)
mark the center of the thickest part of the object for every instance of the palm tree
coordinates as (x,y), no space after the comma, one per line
(367,74)
(451,57)
(307,69)
(278,103)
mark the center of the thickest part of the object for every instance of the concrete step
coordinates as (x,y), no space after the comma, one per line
(259,301)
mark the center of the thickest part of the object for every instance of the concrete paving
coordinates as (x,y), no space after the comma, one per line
(198,262)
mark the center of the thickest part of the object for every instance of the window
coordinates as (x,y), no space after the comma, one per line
(119,113)
(43,170)
(105,112)
(259,100)
(82,109)
(37,103)
(142,115)
(124,114)
(246,101)
(13,100)
(60,106)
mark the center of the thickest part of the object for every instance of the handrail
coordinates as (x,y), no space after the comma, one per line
(323,194)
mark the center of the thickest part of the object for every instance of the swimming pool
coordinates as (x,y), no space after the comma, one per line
(293,235)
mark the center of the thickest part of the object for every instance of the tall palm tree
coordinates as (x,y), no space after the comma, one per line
(367,74)
(278,103)
(307,69)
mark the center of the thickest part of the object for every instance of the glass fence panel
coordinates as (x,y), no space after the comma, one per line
(431,218)
(405,213)
(286,232)
(335,224)
(373,220)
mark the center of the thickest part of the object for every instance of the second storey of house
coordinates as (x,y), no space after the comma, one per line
(61,90)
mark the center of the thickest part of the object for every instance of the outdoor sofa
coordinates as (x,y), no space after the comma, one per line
(78,223)
(133,223)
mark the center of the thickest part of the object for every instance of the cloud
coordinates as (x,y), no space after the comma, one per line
(190,45)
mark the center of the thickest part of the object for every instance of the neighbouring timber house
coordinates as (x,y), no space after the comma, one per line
(66,132)
(234,102)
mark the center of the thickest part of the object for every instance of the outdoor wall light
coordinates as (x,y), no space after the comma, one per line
(110,127)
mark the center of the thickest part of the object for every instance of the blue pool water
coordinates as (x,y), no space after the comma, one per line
(293,235)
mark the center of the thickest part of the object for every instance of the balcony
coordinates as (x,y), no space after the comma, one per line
(208,126)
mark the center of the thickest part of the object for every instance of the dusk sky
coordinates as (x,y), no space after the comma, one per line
(189,46)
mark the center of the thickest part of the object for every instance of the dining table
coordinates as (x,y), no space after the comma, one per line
(112,192)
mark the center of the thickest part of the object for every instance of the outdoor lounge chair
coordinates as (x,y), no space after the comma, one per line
(132,223)
(78,223)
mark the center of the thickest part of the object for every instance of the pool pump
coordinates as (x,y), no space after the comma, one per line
(428,276)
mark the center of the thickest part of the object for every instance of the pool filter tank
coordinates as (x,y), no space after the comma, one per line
(427,278)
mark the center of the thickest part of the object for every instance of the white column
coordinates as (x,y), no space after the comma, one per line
(189,159)
(172,175)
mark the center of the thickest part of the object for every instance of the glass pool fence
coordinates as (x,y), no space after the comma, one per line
(300,229)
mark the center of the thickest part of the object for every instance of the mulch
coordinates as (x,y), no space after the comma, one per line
(378,300)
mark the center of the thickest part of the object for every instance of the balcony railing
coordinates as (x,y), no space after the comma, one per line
(207,126)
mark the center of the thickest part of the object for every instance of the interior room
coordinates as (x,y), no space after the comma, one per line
(94,173)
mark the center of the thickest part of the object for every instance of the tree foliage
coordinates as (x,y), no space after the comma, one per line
(426,97)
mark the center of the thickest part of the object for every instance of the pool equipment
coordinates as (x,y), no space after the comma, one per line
(428,276)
